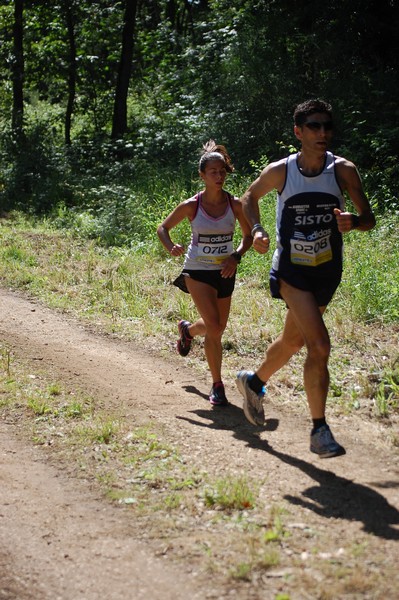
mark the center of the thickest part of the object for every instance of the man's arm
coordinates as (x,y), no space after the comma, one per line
(350,182)
(272,177)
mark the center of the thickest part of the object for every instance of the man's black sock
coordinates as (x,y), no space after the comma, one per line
(318,423)
(256,384)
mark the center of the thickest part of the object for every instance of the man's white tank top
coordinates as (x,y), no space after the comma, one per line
(306,229)
(211,238)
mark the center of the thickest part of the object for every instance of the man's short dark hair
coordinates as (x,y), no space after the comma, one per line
(310,107)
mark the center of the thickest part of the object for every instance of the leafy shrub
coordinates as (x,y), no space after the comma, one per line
(33,170)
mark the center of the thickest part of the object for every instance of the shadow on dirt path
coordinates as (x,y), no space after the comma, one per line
(334,497)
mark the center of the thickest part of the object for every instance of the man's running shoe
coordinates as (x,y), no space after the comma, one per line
(322,442)
(253,402)
(184,342)
(217,396)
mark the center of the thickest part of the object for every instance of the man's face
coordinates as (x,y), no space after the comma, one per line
(316,132)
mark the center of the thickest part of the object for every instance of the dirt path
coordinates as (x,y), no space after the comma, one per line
(59,539)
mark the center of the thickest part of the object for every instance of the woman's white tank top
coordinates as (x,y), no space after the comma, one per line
(211,238)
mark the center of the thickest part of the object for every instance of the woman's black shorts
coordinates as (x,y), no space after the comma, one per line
(223,285)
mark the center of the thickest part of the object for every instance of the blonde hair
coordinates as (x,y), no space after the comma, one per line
(213,151)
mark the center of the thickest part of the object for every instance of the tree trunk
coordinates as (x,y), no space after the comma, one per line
(71,70)
(18,70)
(119,124)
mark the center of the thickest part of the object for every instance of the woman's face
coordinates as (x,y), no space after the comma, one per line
(214,174)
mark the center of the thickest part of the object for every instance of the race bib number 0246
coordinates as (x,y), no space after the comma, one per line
(214,249)
(311,253)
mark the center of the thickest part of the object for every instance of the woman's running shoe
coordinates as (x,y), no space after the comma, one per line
(184,342)
(217,396)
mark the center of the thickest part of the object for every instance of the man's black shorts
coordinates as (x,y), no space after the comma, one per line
(223,285)
(322,285)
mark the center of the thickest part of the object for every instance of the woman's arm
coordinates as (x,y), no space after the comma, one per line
(229,266)
(184,210)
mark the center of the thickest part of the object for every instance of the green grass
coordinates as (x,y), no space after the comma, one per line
(370,287)
(231,494)
(128,291)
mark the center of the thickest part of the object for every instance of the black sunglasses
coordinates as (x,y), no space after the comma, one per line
(317,125)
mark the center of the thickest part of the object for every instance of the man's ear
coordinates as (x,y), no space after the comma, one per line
(298,132)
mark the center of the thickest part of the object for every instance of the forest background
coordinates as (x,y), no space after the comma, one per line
(97,96)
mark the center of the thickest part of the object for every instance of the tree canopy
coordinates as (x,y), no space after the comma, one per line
(92,82)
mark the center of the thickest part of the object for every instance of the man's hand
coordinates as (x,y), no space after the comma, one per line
(345,220)
(261,242)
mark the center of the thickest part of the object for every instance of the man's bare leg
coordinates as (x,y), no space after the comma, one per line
(304,326)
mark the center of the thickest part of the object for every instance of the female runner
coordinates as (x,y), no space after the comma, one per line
(210,264)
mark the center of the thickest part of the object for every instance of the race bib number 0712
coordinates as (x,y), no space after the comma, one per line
(214,249)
